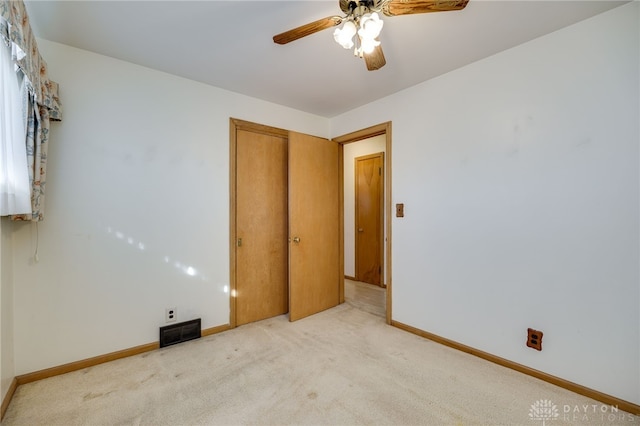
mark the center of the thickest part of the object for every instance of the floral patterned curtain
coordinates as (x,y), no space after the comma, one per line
(44,104)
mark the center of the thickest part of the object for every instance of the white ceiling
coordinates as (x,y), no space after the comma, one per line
(229,44)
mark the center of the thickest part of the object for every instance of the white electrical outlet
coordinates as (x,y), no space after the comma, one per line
(171,314)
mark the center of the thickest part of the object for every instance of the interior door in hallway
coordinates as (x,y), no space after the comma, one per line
(369,207)
(261,226)
(314,225)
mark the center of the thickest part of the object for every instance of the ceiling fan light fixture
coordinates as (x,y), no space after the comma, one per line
(367,26)
(370,26)
(368,45)
(344,36)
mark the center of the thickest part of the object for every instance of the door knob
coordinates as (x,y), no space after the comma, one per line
(360,230)
(296,240)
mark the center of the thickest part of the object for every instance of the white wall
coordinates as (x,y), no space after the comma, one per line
(7,367)
(351,151)
(137,193)
(520,178)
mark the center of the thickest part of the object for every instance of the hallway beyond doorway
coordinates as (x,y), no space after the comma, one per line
(366,297)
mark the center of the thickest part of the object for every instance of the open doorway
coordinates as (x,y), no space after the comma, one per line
(367,272)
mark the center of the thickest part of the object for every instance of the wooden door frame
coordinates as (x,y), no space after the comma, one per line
(379,129)
(380,206)
(369,132)
(234,126)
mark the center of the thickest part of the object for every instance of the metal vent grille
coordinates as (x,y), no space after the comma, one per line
(180,332)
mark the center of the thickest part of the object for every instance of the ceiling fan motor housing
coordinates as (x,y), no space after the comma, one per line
(359,8)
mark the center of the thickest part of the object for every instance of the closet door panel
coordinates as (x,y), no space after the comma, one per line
(261,226)
(314,225)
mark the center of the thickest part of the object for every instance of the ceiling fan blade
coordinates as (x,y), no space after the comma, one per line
(409,7)
(307,29)
(375,60)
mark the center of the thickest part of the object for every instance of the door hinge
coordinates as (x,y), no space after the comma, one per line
(380,171)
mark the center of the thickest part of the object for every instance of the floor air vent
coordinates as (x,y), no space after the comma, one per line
(178,333)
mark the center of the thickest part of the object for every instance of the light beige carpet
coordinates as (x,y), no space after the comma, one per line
(344,366)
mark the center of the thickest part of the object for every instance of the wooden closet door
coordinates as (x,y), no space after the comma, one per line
(314,225)
(261,227)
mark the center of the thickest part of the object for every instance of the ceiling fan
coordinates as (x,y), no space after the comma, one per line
(362,24)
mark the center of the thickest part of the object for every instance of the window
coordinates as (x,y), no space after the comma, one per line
(15,193)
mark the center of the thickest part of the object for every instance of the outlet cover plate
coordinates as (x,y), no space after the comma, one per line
(534,339)
(171,315)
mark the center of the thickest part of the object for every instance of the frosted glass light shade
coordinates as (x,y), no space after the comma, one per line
(344,36)
(370,26)
(368,44)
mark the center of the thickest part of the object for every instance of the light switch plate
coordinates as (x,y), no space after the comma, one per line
(399,210)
